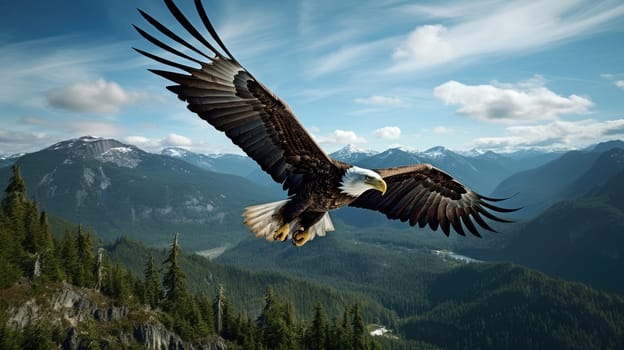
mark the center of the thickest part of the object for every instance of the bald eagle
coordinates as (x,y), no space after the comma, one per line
(223,93)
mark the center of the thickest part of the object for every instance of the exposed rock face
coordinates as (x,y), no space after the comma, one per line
(78,307)
(156,337)
(24,314)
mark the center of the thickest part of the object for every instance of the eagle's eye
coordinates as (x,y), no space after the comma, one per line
(367,177)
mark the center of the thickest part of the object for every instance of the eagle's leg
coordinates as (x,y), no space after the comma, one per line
(301,237)
(282,233)
(307,221)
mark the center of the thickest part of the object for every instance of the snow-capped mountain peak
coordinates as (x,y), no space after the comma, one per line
(175,152)
(104,150)
(436,152)
(351,153)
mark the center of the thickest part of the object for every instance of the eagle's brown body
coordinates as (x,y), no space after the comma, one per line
(227,96)
(319,195)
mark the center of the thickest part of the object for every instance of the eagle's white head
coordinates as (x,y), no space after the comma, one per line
(357,180)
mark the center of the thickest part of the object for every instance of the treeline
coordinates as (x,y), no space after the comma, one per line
(29,250)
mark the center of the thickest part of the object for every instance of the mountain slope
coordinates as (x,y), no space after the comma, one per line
(501,306)
(567,177)
(453,304)
(6,161)
(221,163)
(117,188)
(580,240)
(246,289)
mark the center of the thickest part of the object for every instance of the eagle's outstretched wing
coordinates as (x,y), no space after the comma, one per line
(228,97)
(423,194)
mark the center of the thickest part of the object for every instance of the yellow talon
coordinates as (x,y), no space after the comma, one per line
(302,237)
(282,233)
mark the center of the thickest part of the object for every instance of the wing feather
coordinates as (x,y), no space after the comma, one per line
(228,97)
(427,196)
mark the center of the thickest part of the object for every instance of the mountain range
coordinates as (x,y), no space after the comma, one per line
(118,189)
(570,227)
(577,239)
(567,177)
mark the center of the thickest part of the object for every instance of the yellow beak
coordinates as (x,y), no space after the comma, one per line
(378,184)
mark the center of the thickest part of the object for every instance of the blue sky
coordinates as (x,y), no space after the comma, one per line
(499,75)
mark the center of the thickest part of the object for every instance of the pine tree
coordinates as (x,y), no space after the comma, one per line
(174,280)
(9,272)
(205,309)
(117,286)
(276,333)
(50,267)
(342,332)
(69,258)
(86,258)
(318,332)
(14,207)
(15,191)
(32,229)
(153,289)
(358,327)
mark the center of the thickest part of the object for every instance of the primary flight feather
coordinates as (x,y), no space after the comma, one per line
(227,96)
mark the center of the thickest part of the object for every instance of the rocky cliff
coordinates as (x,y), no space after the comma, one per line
(87,317)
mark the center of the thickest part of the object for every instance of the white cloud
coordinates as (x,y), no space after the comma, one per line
(140,140)
(486,28)
(176,140)
(156,144)
(528,100)
(554,135)
(427,45)
(388,133)
(100,96)
(619,83)
(376,100)
(340,137)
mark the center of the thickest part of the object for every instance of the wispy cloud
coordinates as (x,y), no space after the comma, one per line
(555,135)
(442,130)
(11,136)
(486,27)
(30,67)
(252,37)
(99,96)
(67,126)
(382,101)
(619,83)
(528,100)
(388,133)
(347,57)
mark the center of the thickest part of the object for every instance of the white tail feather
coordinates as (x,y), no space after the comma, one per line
(260,218)
(322,227)
(263,223)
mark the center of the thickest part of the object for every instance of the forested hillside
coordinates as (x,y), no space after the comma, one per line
(70,288)
(36,267)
